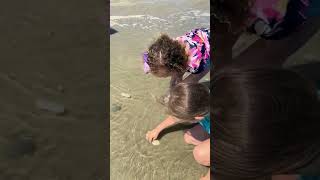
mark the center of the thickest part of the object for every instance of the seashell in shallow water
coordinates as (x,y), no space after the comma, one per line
(126,95)
(155,142)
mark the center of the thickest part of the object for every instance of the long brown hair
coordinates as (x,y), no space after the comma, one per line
(266,121)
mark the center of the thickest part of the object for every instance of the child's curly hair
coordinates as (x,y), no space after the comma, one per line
(234,13)
(166,55)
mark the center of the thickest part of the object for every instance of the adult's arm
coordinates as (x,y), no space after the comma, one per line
(275,52)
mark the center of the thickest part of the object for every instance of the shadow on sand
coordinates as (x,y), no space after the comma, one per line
(177,127)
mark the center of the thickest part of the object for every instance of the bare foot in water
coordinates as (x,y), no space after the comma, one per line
(206,177)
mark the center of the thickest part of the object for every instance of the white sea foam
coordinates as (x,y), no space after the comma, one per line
(196,17)
(140,21)
(136,17)
(122,4)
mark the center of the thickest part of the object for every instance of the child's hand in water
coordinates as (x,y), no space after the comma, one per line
(152,135)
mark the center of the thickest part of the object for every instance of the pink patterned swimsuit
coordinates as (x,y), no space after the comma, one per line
(197,44)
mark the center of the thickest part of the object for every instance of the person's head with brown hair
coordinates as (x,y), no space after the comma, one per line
(189,101)
(166,56)
(266,121)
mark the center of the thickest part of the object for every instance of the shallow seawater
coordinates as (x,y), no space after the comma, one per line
(138,23)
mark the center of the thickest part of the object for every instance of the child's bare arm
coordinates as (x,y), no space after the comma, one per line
(153,134)
(175,79)
(170,121)
(196,77)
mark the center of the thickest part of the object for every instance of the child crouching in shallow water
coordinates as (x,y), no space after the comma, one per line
(175,56)
(189,103)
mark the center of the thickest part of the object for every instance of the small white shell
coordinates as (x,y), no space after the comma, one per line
(126,95)
(156,142)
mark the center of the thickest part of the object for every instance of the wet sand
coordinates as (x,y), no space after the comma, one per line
(138,23)
(52,50)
